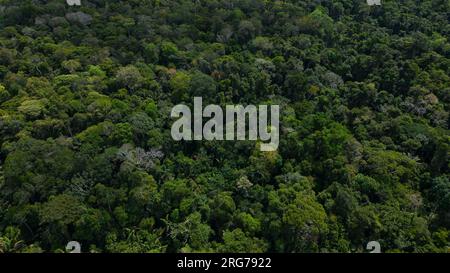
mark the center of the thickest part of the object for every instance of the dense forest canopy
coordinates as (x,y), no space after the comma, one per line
(86,152)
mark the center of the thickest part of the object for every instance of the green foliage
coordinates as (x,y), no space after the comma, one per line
(86,152)
(4,94)
(180,83)
(237,242)
(130,77)
(32,108)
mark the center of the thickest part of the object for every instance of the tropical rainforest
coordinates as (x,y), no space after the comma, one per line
(86,152)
